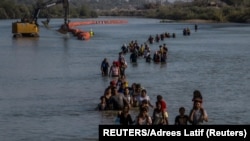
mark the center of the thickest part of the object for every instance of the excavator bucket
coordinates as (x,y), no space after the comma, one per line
(64,29)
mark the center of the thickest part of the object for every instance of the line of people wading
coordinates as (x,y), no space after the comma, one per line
(121,97)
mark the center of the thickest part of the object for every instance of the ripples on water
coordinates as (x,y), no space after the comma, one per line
(51,85)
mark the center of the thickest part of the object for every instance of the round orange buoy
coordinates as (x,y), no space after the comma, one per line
(71,30)
(84,36)
(77,31)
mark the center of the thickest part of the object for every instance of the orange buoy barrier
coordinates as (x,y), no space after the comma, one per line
(83,35)
(111,22)
(76,31)
(78,23)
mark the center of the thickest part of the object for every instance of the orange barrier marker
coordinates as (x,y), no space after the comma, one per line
(83,35)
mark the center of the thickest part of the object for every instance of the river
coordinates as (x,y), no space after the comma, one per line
(49,86)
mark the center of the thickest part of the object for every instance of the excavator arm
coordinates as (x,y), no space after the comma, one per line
(66,11)
(46,5)
(65,27)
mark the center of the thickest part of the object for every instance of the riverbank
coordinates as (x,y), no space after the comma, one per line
(188,21)
(198,21)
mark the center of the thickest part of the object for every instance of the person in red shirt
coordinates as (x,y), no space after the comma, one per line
(163,102)
(163,105)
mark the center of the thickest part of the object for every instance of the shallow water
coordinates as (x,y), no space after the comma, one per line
(51,85)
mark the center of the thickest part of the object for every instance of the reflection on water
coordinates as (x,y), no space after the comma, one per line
(25,42)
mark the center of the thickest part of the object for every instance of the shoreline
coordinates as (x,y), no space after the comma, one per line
(188,21)
(199,21)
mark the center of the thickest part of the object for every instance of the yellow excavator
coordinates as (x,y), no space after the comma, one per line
(30,27)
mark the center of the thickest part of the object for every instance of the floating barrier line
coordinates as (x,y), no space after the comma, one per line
(85,35)
(79,23)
